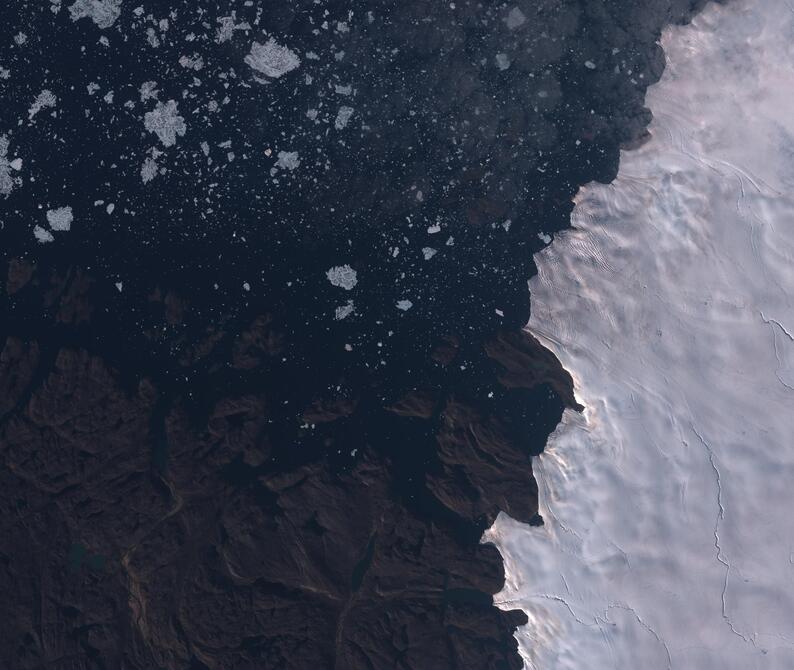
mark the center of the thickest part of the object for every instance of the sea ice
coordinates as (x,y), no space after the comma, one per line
(44,99)
(60,219)
(165,122)
(42,234)
(342,276)
(288,160)
(272,59)
(103,12)
(8,181)
(343,117)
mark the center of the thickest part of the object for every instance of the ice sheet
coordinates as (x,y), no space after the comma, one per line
(669,504)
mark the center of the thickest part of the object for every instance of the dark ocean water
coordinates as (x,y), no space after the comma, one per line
(204,230)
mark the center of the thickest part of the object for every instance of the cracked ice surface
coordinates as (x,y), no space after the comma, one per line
(669,506)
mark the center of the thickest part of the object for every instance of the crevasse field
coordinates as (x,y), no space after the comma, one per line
(669,504)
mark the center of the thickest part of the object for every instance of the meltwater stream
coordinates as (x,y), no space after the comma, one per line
(669,504)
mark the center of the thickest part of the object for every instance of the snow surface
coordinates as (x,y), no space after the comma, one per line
(669,504)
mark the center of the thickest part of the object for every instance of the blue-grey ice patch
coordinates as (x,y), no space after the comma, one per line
(515,18)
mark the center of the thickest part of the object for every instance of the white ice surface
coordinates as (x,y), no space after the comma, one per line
(669,504)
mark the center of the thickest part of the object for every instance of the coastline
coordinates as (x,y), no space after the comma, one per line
(667,301)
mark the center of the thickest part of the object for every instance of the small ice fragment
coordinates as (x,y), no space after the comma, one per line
(246,286)
(227,28)
(151,37)
(432,230)
(544,237)
(109,209)
(590,65)
(515,18)
(7,181)
(60,219)
(194,62)
(44,99)
(148,170)
(43,236)
(344,311)
(119,286)
(342,276)
(102,12)
(502,61)
(428,252)
(165,122)
(272,59)
(288,160)
(404,305)
(343,117)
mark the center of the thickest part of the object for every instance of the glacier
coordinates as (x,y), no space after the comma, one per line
(668,503)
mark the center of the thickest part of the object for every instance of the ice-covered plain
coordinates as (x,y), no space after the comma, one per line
(669,535)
